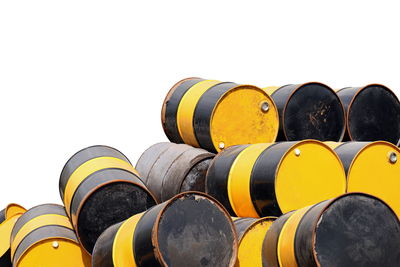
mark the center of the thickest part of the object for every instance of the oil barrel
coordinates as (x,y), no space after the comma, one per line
(191,229)
(372,113)
(373,168)
(168,169)
(251,233)
(99,187)
(214,115)
(352,230)
(271,179)
(8,217)
(44,236)
(308,111)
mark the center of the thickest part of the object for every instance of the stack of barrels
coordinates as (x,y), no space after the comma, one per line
(296,175)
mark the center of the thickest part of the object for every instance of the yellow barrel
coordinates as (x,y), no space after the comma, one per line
(43,236)
(354,229)
(191,229)
(8,217)
(373,168)
(168,169)
(271,179)
(251,233)
(308,111)
(214,115)
(99,187)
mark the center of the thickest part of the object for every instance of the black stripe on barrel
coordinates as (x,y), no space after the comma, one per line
(262,181)
(373,113)
(103,251)
(203,113)
(218,174)
(170,108)
(350,231)
(104,198)
(309,111)
(42,233)
(36,212)
(81,157)
(203,235)
(348,151)
(270,244)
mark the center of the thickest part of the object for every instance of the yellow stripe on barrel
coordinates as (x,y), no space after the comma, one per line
(123,251)
(239,181)
(37,222)
(87,168)
(186,110)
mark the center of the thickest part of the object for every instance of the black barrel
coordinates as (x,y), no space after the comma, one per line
(190,229)
(353,230)
(99,188)
(309,111)
(169,169)
(372,113)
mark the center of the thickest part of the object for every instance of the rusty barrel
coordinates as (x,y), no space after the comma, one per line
(373,168)
(353,230)
(271,179)
(168,169)
(190,229)
(372,113)
(99,187)
(8,218)
(308,111)
(251,233)
(214,115)
(44,236)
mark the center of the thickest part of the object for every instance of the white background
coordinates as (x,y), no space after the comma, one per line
(79,73)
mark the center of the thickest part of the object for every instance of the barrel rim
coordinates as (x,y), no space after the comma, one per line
(168,96)
(295,143)
(330,203)
(154,236)
(14,214)
(90,193)
(298,86)
(360,89)
(83,149)
(239,87)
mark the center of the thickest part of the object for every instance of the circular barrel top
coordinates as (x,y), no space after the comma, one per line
(204,235)
(310,111)
(374,169)
(374,114)
(357,230)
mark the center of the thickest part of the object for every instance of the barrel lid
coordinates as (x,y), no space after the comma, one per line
(203,235)
(357,229)
(309,172)
(375,170)
(245,114)
(374,114)
(313,111)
